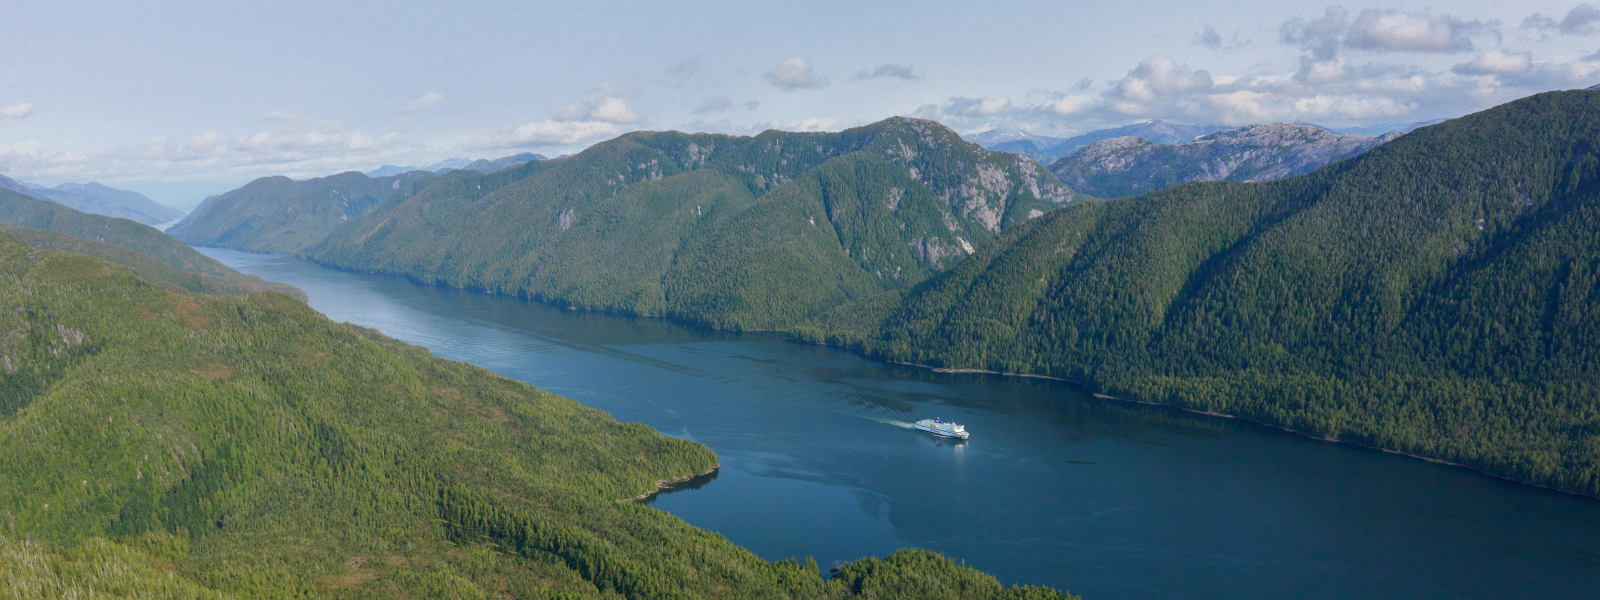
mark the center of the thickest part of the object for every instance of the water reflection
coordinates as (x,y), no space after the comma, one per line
(1106,498)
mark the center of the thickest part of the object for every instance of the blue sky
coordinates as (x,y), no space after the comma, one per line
(183,99)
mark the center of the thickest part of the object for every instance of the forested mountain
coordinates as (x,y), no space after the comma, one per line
(97,199)
(742,232)
(160,445)
(208,276)
(1128,166)
(281,215)
(1437,295)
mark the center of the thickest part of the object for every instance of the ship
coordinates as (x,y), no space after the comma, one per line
(942,427)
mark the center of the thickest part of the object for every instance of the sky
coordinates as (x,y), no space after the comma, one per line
(180,100)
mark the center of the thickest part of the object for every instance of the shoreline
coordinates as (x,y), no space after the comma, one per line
(1208,413)
(663,484)
(792,338)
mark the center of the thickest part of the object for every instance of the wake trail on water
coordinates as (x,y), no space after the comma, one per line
(846,401)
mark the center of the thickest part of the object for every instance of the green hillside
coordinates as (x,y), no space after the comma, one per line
(168,446)
(148,268)
(281,215)
(741,232)
(187,269)
(1438,295)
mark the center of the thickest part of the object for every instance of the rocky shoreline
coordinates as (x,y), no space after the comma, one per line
(664,484)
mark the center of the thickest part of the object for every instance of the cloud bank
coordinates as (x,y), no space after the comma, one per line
(794,74)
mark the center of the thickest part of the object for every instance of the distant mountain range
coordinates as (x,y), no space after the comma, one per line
(97,199)
(1045,150)
(483,164)
(1126,166)
(278,214)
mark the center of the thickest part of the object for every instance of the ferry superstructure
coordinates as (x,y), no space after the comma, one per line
(942,427)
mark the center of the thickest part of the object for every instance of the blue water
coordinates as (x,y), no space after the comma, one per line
(1110,500)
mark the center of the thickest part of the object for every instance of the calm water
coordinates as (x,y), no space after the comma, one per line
(1106,499)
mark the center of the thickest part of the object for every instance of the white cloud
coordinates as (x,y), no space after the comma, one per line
(604,104)
(1396,31)
(794,74)
(297,154)
(17,111)
(889,70)
(1497,63)
(1351,108)
(1158,78)
(1071,106)
(810,125)
(423,102)
(547,133)
(986,106)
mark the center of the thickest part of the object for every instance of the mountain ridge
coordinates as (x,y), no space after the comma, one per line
(97,199)
(1432,296)
(1127,166)
(700,226)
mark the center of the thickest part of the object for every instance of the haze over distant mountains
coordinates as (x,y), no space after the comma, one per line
(483,164)
(97,199)
(1045,149)
(1126,166)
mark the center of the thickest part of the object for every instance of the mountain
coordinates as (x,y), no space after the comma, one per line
(741,232)
(1160,132)
(1438,295)
(281,215)
(489,166)
(483,164)
(168,446)
(184,268)
(1383,129)
(97,199)
(1127,166)
(1016,142)
(1044,150)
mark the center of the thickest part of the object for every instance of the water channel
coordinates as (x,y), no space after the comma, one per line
(1107,499)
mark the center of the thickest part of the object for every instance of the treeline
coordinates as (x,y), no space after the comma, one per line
(1435,295)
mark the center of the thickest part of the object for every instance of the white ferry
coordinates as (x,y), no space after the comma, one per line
(942,427)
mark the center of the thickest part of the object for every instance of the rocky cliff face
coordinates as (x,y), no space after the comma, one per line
(1127,166)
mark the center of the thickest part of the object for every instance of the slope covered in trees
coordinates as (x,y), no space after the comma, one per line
(164,445)
(281,215)
(742,232)
(1438,295)
(210,276)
